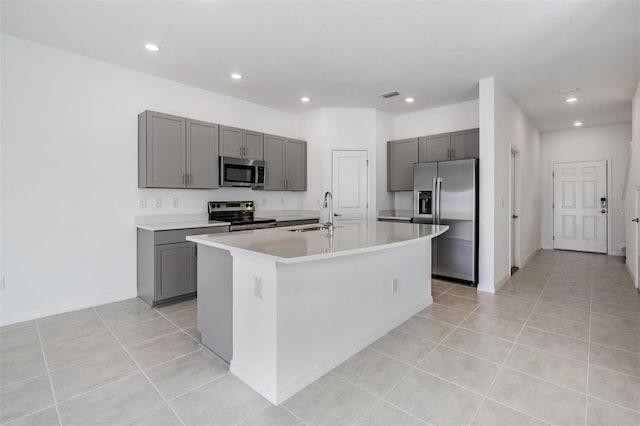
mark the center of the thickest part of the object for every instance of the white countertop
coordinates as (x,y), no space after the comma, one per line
(200,220)
(187,224)
(349,237)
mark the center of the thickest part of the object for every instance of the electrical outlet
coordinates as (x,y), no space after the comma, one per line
(264,202)
(258,287)
(176,202)
(394,286)
(282,201)
(318,202)
(1,283)
(158,202)
(142,203)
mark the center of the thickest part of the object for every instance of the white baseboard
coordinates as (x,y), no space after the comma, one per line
(633,276)
(277,396)
(533,253)
(502,282)
(62,309)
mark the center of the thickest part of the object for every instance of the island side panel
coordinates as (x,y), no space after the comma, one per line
(331,309)
(254,323)
(215,300)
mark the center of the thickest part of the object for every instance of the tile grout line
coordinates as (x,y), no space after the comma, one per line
(140,368)
(46,366)
(414,368)
(504,360)
(586,403)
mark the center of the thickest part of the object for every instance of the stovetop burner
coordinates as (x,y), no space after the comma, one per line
(239,213)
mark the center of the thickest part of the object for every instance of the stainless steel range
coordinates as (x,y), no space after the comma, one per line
(240,214)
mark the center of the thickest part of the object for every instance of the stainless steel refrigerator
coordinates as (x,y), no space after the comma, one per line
(446,193)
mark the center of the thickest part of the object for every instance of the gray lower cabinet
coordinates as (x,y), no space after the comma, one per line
(401,156)
(167,264)
(286,164)
(241,143)
(176,152)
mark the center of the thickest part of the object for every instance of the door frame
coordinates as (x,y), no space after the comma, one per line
(637,253)
(370,207)
(608,162)
(515,179)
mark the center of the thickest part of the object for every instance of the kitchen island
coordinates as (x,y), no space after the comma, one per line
(285,306)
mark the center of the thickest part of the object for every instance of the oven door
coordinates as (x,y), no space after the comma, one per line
(239,172)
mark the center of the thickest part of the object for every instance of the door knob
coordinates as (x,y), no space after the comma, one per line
(514,216)
(636,220)
(603,211)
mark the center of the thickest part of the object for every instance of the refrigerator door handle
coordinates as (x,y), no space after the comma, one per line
(439,191)
(436,200)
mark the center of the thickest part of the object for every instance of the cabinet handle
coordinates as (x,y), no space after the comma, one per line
(184,179)
(188,179)
(453,154)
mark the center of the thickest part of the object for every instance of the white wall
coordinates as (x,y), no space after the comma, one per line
(609,143)
(69,173)
(504,126)
(385,131)
(630,229)
(432,121)
(326,129)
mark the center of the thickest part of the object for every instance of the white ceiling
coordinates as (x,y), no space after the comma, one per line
(343,54)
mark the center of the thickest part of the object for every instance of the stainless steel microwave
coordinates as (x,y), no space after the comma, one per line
(242,172)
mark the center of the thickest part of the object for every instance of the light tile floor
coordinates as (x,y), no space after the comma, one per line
(558,344)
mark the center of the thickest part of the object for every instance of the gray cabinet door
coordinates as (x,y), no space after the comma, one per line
(175,270)
(275,166)
(438,148)
(163,139)
(202,155)
(253,144)
(231,142)
(465,144)
(401,155)
(295,152)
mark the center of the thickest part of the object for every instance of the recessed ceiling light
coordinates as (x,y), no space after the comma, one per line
(236,76)
(305,99)
(409,100)
(568,90)
(571,100)
(578,123)
(152,47)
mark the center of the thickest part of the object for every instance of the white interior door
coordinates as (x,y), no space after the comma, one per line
(580,206)
(349,184)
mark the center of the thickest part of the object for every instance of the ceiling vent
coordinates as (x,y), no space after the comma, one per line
(390,94)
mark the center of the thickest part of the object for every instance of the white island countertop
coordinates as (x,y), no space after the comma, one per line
(348,237)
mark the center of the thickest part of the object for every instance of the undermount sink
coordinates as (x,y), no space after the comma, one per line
(312,228)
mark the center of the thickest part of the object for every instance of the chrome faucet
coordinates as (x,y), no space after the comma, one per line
(328,203)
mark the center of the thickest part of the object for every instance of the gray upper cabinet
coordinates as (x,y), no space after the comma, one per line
(286,164)
(176,152)
(161,150)
(274,158)
(202,155)
(241,143)
(230,142)
(465,144)
(295,153)
(401,156)
(435,148)
(253,144)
